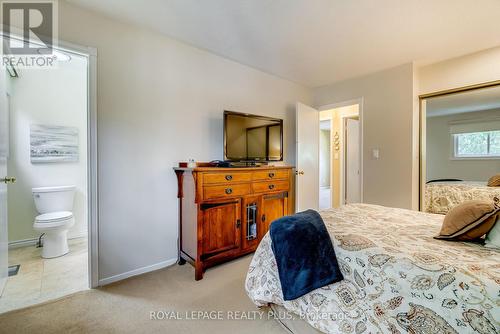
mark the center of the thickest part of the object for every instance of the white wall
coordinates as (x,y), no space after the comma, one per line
(160,102)
(472,69)
(46,97)
(387,120)
(439,150)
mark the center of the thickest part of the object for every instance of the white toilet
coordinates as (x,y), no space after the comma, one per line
(54,205)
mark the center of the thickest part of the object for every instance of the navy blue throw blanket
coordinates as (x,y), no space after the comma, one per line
(304,254)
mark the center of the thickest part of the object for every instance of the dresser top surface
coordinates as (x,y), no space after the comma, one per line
(231,169)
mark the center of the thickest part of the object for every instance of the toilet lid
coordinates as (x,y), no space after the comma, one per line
(53,217)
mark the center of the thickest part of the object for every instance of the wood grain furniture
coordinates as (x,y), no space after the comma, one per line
(225,212)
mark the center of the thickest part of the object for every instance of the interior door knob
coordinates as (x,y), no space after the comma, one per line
(8,180)
(299,173)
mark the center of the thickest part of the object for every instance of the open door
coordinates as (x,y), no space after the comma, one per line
(4,149)
(307,180)
(352,165)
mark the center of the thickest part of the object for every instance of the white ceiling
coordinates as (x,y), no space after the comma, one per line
(316,42)
(476,100)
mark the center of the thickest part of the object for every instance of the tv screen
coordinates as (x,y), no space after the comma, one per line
(252,138)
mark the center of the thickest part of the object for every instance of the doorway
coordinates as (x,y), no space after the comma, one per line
(341,155)
(49,122)
(308,128)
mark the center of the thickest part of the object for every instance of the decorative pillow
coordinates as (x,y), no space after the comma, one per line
(494,181)
(493,237)
(469,220)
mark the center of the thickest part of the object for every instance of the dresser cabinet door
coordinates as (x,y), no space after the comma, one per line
(221,227)
(274,206)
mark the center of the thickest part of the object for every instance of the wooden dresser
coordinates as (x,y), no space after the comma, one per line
(225,212)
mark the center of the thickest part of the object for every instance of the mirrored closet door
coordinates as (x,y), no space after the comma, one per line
(460,147)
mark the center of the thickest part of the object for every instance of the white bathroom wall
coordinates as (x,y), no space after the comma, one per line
(47,97)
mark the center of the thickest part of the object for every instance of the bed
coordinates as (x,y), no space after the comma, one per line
(397,278)
(440,197)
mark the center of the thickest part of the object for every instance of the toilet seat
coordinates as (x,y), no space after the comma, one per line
(53,217)
(53,220)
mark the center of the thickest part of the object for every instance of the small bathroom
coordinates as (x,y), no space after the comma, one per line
(48,200)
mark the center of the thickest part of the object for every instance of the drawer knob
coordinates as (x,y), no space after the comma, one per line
(229,191)
(271,186)
(271,175)
(229,177)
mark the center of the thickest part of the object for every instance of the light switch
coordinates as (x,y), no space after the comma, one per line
(376,153)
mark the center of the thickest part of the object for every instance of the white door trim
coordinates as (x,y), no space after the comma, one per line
(423,153)
(93,225)
(360,103)
(343,158)
(92,182)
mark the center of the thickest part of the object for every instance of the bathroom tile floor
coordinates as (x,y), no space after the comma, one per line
(40,280)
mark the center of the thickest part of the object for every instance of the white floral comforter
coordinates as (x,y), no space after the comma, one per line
(398,279)
(440,197)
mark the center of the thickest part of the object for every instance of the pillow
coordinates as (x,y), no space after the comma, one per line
(494,181)
(469,220)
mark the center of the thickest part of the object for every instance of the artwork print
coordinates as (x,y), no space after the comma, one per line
(51,143)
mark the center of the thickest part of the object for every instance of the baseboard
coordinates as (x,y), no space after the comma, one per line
(136,272)
(22,243)
(83,234)
(32,242)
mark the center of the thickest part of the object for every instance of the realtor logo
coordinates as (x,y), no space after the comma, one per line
(29,32)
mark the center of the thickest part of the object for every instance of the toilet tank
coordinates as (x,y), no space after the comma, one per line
(53,199)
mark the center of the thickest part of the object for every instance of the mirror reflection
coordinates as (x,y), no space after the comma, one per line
(250,137)
(462,148)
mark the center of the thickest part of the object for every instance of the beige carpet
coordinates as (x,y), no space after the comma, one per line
(125,307)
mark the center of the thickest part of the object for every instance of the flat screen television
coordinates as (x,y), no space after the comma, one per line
(252,138)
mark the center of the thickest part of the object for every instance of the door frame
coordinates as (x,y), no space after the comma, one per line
(332,154)
(343,158)
(92,153)
(423,130)
(360,103)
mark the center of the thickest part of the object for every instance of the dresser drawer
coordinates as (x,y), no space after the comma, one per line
(270,175)
(213,178)
(265,187)
(230,190)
